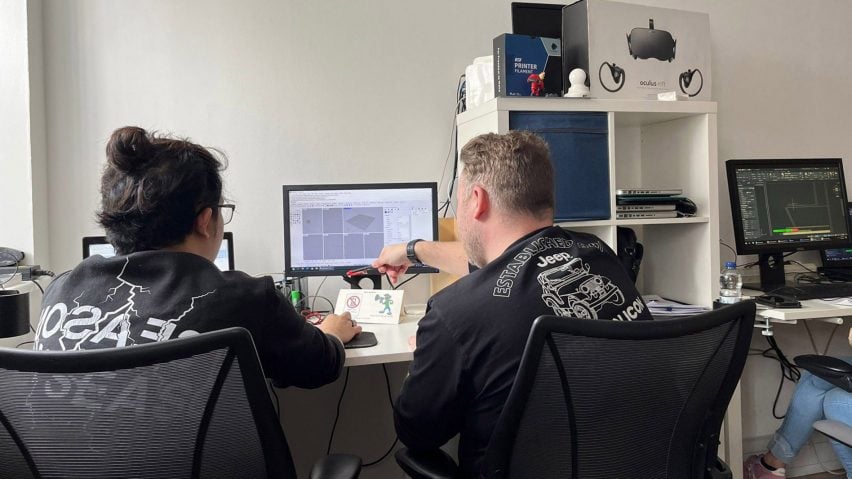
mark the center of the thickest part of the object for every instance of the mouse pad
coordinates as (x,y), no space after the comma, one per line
(774,301)
(365,339)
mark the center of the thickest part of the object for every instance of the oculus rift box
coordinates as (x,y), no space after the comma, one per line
(635,52)
(527,66)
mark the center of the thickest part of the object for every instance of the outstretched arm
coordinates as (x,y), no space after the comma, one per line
(447,256)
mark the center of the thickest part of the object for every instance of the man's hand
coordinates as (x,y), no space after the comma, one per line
(342,326)
(392,261)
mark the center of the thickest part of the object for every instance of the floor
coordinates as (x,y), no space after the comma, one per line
(823,475)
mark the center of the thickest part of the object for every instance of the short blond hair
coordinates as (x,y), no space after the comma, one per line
(514,168)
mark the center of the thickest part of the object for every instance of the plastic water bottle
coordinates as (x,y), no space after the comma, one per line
(730,284)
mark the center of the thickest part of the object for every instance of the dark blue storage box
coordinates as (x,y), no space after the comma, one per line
(580,151)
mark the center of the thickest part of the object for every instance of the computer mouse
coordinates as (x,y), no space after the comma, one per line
(778,301)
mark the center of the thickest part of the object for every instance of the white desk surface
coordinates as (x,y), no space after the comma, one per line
(393,343)
(816,309)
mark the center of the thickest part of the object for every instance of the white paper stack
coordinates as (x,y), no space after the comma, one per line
(660,307)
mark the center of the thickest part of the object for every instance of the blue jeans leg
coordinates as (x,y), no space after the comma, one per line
(838,407)
(806,407)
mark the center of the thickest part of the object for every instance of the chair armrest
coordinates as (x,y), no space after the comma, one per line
(836,430)
(719,470)
(337,466)
(435,464)
(833,370)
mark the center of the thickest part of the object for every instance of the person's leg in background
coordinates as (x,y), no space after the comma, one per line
(806,407)
(838,407)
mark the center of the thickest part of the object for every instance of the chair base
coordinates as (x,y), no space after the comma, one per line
(337,466)
(435,464)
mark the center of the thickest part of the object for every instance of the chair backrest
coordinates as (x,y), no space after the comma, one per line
(606,399)
(191,407)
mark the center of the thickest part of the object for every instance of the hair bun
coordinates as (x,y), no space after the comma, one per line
(129,149)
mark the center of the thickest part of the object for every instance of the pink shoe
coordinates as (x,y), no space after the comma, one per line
(753,469)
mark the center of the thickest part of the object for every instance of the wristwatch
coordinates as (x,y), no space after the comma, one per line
(409,251)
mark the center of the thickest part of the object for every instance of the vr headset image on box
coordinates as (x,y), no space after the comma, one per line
(648,43)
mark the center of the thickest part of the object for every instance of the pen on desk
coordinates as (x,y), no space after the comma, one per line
(358,271)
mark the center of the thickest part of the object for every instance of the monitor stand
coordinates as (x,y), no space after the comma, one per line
(355,281)
(771,272)
(364,339)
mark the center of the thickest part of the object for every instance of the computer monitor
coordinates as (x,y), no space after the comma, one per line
(838,257)
(332,229)
(786,205)
(99,245)
(537,19)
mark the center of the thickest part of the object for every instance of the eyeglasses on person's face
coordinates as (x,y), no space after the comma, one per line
(227,212)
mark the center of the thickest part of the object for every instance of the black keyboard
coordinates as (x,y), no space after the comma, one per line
(816,291)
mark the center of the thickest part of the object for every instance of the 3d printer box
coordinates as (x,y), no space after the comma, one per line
(634,52)
(527,66)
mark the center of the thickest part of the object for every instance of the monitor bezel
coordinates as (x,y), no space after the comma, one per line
(734,165)
(522,12)
(230,237)
(286,189)
(89,241)
(826,263)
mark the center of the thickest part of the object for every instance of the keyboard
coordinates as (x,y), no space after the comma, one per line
(816,291)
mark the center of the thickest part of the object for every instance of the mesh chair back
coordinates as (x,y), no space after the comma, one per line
(607,399)
(192,407)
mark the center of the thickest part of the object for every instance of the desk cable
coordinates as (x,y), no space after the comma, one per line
(400,284)
(337,414)
(337,417)
(789,371)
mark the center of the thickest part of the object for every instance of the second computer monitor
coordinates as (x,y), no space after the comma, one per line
(98,245)
(331,229)
(787,205)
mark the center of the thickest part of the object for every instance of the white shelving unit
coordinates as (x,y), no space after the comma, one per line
(652,144)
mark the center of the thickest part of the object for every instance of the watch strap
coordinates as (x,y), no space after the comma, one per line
(409,251)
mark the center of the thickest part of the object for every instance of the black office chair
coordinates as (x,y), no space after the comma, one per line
(607,399)
(838,373)
(192,407)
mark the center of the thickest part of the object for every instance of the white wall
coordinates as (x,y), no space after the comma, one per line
(16,212)
(305,91)
(23,181)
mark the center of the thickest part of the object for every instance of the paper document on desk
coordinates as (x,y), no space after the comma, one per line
(381,306)
(839,301)
(659,306)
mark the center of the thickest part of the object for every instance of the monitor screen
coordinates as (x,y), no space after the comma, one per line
(98,245)
(838,257)
(330,229)
(788,205)
(537,19)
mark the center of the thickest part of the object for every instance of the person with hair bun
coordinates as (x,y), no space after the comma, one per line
(163,210)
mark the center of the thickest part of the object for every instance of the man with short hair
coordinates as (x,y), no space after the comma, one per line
(469,344)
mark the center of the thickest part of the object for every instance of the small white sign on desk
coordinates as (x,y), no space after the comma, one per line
(382,306)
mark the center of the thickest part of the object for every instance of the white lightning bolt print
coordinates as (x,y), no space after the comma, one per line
(164,327)
(120,317)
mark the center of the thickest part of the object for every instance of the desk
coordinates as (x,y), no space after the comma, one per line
(811,310)
(393,343)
